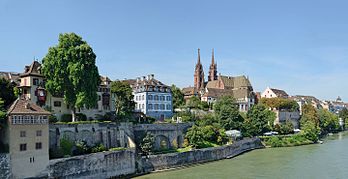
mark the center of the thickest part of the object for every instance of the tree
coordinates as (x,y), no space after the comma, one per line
(280,103)
(227,113)
(193,103)
(344,115)
(70,70)
(124,99)
(195,136)
(260,119)
(310,130)
(2,112)
(328,121)
(309,113)
(147,143)
(178,97)
(7,92)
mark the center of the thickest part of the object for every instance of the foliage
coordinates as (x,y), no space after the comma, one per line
(328,121)
(84,122)
(259,120)
(309,113)
(52,119)
(310,130)
(117,149)
(178,97)
(66,146)
(77,78)
(227,113)
(124,104)
(195,137)
(285,141)
(147,144)
(66,118)
(81,117)
(280,104)
(81,148)
(186,116)
(7,93)
(287,128)
(98,148)
(2,111)
(344,115)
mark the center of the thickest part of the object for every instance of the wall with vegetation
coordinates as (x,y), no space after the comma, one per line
(165,161)
(5,169)
(97,165)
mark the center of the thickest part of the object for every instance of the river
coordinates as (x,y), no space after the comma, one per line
(328,160)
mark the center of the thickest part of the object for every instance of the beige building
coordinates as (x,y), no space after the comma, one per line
(274,93)
(27,136)
(32,84)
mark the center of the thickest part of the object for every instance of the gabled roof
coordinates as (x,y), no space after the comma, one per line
(279,93)
(235,82)
(33,69)
(189,91)
(22,106)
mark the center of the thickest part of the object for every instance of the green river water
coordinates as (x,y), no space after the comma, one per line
(327,160)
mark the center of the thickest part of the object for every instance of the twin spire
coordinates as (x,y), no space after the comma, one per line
(199,73)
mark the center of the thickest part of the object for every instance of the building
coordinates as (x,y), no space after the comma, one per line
(152,97)
(274,93)
(309,100)
(32,85)
(282,116)
(209,91)
(28,139)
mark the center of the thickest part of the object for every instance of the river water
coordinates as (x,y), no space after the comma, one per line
(328,160)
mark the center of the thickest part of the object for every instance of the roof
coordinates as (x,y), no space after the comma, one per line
(11,76)
(305,98)
(216,93)
(235,82)
(189,91)
(33,69)
(279,93)
(22,106)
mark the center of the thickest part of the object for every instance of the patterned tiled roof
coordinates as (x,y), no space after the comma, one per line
(280,93)
(33,69)
(22,106)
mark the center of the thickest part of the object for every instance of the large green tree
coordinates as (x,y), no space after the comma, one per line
(178,97)
(70,70)
(259,120)
(344,115)
(124,99)
(227,113)
(7,92)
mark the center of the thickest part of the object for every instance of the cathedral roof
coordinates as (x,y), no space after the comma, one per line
(235,82)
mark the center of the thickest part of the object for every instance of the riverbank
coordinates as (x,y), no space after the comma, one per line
(155,163)
(307,161)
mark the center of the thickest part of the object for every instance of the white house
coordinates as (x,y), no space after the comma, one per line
(274,93)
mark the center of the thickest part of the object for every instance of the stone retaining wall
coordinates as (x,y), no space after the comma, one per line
(5,169)
(98,165)
(166,161)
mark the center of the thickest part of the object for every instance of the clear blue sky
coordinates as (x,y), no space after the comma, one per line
(300,46)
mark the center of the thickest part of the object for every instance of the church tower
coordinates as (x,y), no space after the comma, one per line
(199,74)
(212,69)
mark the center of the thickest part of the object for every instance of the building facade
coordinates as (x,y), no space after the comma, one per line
(32,85)
(152,97)
(27,136)
(274,93)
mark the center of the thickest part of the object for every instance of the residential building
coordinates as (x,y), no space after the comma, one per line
(32,85)
(27,136)
(309,100)
(283,115)
(152,97)
(274,93)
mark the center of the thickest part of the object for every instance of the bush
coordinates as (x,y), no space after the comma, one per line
(81,148)
(55,153)
(98,148)
(66,146)
(52,119)
(81,117)
(66,118)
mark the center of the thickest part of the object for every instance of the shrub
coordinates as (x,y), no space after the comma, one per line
(66,146)
(52,119)
(81,148)
(66,118)
(81,117)
(98,148)
(56,153)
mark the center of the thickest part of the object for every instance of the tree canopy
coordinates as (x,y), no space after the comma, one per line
(259,120)
(124,99)
(70,70)
(178,97)
(280,103)
(227,113)
(7,92)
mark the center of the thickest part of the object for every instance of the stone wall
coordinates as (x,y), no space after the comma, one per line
(166,161)
(5,169)
(109,134)
(97,165)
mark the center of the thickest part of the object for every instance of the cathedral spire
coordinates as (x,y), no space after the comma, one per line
(212,57)
(199,56)
(212,69)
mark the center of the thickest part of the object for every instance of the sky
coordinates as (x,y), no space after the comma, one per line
(299,46)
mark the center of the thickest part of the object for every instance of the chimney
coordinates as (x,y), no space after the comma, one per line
(144,78)
(27,105)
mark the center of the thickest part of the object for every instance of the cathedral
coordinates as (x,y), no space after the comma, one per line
(219,85)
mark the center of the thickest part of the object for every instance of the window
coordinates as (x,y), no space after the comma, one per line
(22,147)
(23,134)
(38,145)
(162,106)
(39,133)
(36,81)
(142,98)
(156,106)
(150,97)
(156,98)
(168,98)
(57,104)
(150,106)
(142,106)
(99,97)
(168,107)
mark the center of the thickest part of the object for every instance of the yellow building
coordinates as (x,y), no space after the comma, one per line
(28,139)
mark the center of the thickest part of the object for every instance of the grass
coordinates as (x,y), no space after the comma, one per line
(285,141)
(117,149)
